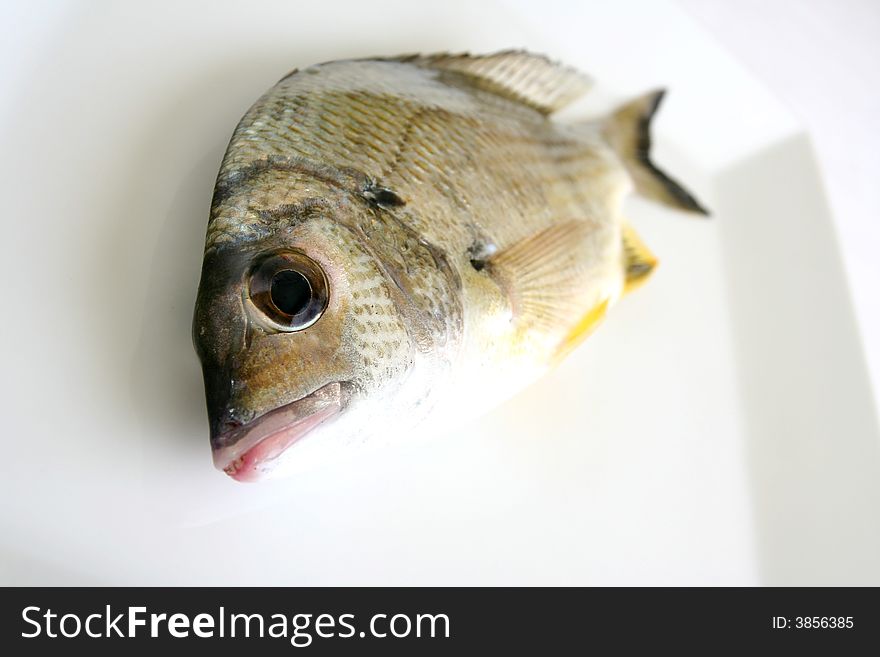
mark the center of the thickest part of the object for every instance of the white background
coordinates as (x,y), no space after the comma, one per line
(718,429)
(819,57)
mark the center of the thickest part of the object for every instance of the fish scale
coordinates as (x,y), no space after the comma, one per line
(435,238)
(511,160)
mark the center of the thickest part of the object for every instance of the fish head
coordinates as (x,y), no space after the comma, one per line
(304,345)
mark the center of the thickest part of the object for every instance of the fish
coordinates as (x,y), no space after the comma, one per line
(395,240)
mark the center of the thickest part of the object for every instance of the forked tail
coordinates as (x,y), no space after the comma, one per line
(627,130)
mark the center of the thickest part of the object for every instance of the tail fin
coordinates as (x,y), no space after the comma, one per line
(628,132)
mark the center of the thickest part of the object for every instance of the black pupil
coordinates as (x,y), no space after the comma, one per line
(290,291)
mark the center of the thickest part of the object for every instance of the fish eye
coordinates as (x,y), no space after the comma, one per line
(289,289)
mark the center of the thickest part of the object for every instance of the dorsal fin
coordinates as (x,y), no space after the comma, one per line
(534,80)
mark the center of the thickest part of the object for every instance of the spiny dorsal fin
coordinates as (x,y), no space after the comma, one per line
(534,80)
(628,132)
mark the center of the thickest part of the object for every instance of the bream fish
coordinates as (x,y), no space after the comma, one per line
(396,238)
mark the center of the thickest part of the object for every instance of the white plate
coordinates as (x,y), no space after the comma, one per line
(718,428)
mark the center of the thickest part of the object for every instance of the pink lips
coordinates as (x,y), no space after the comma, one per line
(260,442)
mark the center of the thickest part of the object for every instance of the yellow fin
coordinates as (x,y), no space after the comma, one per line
(580,331)
(543,276)
(638,261)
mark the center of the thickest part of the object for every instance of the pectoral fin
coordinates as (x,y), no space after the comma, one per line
(638,263)
(542,275)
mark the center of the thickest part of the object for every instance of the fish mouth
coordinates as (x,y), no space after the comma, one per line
(249,452)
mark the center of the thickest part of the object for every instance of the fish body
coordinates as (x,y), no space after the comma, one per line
(392,238)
